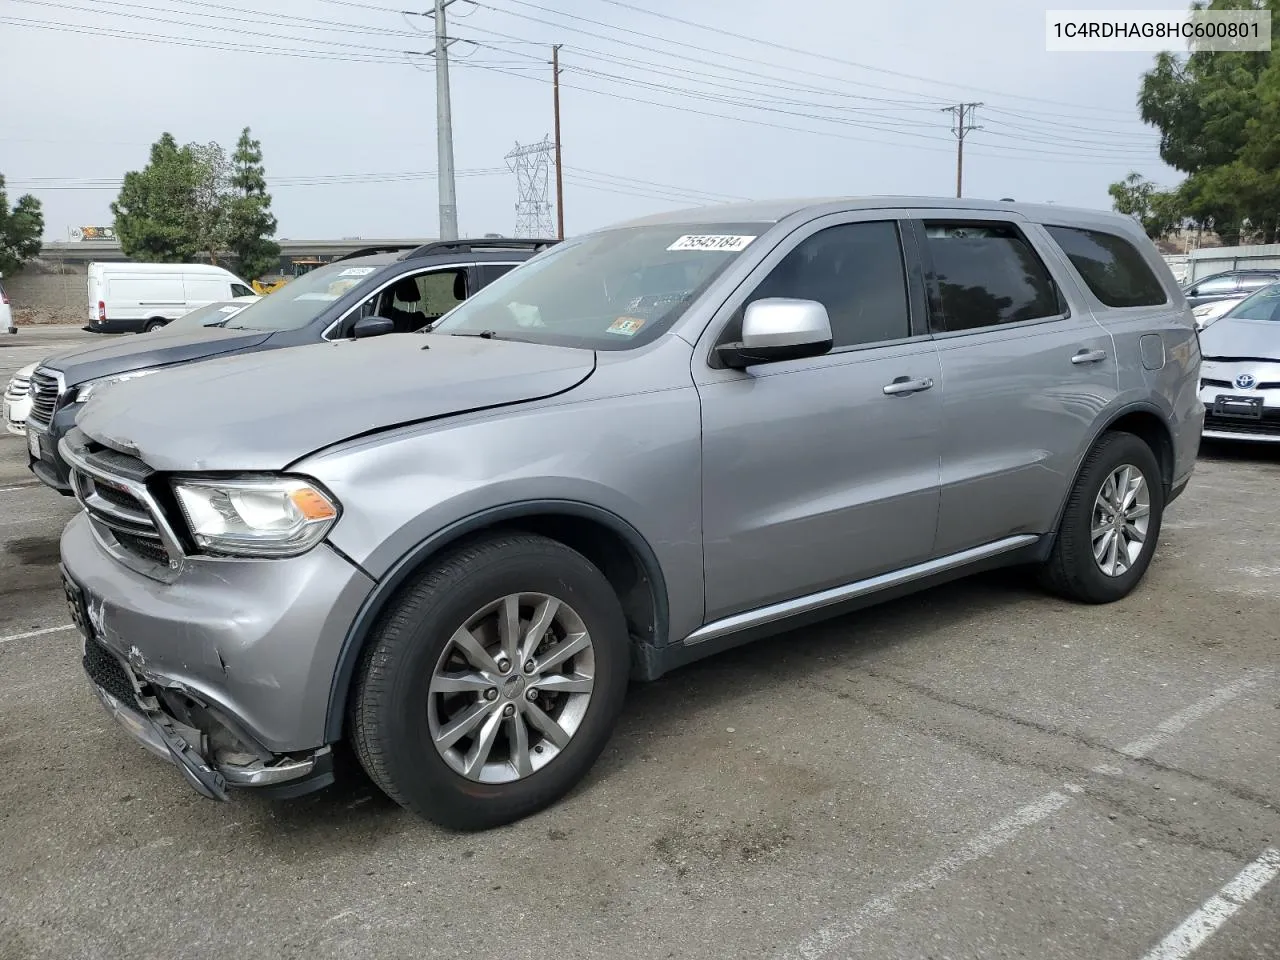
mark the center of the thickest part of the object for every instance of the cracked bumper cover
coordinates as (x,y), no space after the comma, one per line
(247,648)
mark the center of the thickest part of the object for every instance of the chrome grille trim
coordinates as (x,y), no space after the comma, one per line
(47,388)
(150,523)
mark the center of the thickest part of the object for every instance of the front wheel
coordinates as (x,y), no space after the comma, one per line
(492,684)
(1111,522)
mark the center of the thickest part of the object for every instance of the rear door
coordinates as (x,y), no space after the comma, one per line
(813,476)
(1026,369)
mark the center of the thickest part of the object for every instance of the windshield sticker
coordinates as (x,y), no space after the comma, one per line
(722,242)
(625,326)
(231,309)
(357,272)
(317,296)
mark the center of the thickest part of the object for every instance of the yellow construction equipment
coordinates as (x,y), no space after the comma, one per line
(275,281)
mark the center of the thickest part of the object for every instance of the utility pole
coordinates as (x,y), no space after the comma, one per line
(555,85)
(961,124)
(444,131)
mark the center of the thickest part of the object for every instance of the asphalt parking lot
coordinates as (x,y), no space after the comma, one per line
(975,772)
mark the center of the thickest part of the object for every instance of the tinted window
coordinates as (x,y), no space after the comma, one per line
(1110,266)
(490,272)
(1214,287)
(854,270)
(987,274)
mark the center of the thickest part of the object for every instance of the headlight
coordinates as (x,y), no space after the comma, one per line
(261,517)
(85,390)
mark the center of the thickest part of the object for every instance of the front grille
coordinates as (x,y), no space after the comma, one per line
(44,397)
(101,479)
(118,497)
(1228,385)
(108,673)
(148,548)
(1265,426)
(18,388)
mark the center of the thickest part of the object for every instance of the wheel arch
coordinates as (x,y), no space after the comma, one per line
(1143,420)
(616,547)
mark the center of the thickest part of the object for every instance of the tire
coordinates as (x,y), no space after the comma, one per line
(153,325)
(1072,570)
(396,712)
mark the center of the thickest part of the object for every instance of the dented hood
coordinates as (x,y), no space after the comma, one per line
(262,411)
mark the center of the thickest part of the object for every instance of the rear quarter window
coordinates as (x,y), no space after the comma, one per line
(1111,267)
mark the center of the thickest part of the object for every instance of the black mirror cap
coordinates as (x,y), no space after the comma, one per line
(372,327)
(737,357)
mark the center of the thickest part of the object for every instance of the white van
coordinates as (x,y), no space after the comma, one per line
(133,297)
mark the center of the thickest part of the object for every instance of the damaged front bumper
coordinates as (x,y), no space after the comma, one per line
(210,750)
(223,668)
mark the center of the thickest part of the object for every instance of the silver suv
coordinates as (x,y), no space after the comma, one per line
(452,550)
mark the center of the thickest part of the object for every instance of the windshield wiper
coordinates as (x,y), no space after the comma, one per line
(483,334)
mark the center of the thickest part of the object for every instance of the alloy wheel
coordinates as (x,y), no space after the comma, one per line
(1121,516)
(511,688)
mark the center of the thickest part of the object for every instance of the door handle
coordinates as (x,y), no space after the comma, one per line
(907,385)
(1089,356)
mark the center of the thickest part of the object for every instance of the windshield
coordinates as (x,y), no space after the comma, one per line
(210,315)
(301,300)
(1263,305)
(613,290)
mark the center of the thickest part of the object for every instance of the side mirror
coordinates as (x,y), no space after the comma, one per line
(372,327)
(776,329)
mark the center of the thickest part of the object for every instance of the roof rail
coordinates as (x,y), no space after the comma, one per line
(470,246)
(369,251)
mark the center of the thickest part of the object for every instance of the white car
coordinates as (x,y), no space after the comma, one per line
(6,313)
(1207,313)
(17,400)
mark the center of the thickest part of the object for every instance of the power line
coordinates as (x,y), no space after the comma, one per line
(822,56)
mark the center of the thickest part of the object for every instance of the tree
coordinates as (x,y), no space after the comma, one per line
(21,230)
(251,224)
(153,216)
(1218,113)
(208,216)
(1159,211)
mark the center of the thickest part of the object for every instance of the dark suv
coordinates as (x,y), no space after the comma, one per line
(1228,285)
(367,293)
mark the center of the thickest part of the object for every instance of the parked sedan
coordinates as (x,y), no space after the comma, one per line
(1240,375)
(1229,285)
(1207,313)
(17,400)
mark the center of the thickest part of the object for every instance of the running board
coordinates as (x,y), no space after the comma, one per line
(850,591)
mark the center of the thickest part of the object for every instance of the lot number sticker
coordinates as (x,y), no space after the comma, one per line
(721,242)
(356,272)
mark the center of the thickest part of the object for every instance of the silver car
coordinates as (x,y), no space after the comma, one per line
(1240,376)
(651,443)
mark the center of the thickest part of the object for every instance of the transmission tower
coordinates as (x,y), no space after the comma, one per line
(531,164)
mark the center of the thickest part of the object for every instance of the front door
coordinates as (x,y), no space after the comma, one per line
(813,475)
(1027,369)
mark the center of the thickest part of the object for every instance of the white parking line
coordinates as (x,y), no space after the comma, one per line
(830,938)
(20,486)
(1218,909)
(1184,718)
(37,633)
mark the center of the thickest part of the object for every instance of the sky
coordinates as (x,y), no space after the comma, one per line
(746,99)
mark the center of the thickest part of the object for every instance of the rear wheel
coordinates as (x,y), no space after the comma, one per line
(1111,523)
(153,325)
(493,683)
